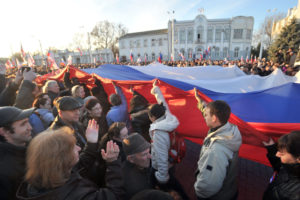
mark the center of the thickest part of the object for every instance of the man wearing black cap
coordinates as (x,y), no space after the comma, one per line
(15,133)
(136,169)
(68,115)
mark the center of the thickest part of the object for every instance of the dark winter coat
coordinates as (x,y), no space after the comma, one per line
(135,179)
(79,131)
(25,97)
(286,183)
(8,95)
(12,169)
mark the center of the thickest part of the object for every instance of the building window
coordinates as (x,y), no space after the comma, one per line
(182,36)
(131,44)
(153,56)
(200,34)
(226,35)
(248,35)
(160,42)
(218,35)
(153,42)
(236,52)
(145,43)
(238,34)
(225,52)
(217,51)
(190,36)
(209,35)
(138,44)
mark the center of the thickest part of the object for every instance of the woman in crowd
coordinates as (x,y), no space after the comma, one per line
(117,132)
(53,166)
(285,160)
(41,119)
(93,110)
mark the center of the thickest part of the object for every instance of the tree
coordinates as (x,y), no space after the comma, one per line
(288,38)
(18,56)
(265,29)
(105,35)
(79,40)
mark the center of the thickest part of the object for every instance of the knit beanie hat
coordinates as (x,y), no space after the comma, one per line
(135,143)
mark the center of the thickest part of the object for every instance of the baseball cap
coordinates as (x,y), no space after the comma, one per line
(9,114)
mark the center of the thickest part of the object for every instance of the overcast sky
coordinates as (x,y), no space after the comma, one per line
(55,22)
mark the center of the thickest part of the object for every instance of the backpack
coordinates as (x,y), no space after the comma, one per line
(177,147)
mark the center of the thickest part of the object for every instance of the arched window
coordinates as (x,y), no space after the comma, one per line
(236,52)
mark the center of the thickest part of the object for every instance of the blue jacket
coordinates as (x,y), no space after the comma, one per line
(119,113)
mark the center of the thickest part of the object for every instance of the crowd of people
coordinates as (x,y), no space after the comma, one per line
(63,140)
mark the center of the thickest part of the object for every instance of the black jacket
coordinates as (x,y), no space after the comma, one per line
(135,179)
(12,169)
(286,184)
(78,130)
(8,95)
(77,187)
(25,97)
(140,121)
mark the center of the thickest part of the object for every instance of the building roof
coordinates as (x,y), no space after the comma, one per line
(152,32)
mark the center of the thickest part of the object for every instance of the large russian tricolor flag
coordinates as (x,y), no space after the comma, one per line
(262,107)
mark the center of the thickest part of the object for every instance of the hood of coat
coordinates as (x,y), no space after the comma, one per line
(167,123)
(227,135)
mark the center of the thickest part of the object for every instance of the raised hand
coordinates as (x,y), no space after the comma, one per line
(91,132)
(112,151)
(114,83)
(269,143)
(196,94)
(155,83)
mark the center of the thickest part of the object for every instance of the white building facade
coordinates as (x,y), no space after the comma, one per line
(147,44)
(226,38)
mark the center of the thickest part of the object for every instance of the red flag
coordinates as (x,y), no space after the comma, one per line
(247,59)
(8,64)
(131,56)
(79,51)
(172,58)
(52,62)
(201,57)
(117,58)
(23,54)
(70,60)
(159,58)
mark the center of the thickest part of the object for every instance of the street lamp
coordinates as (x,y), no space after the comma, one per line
(171,13)
(263,34)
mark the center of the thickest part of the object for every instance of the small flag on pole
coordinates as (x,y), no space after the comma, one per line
(69,60)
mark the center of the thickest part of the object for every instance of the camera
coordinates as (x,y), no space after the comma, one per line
(25,68)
